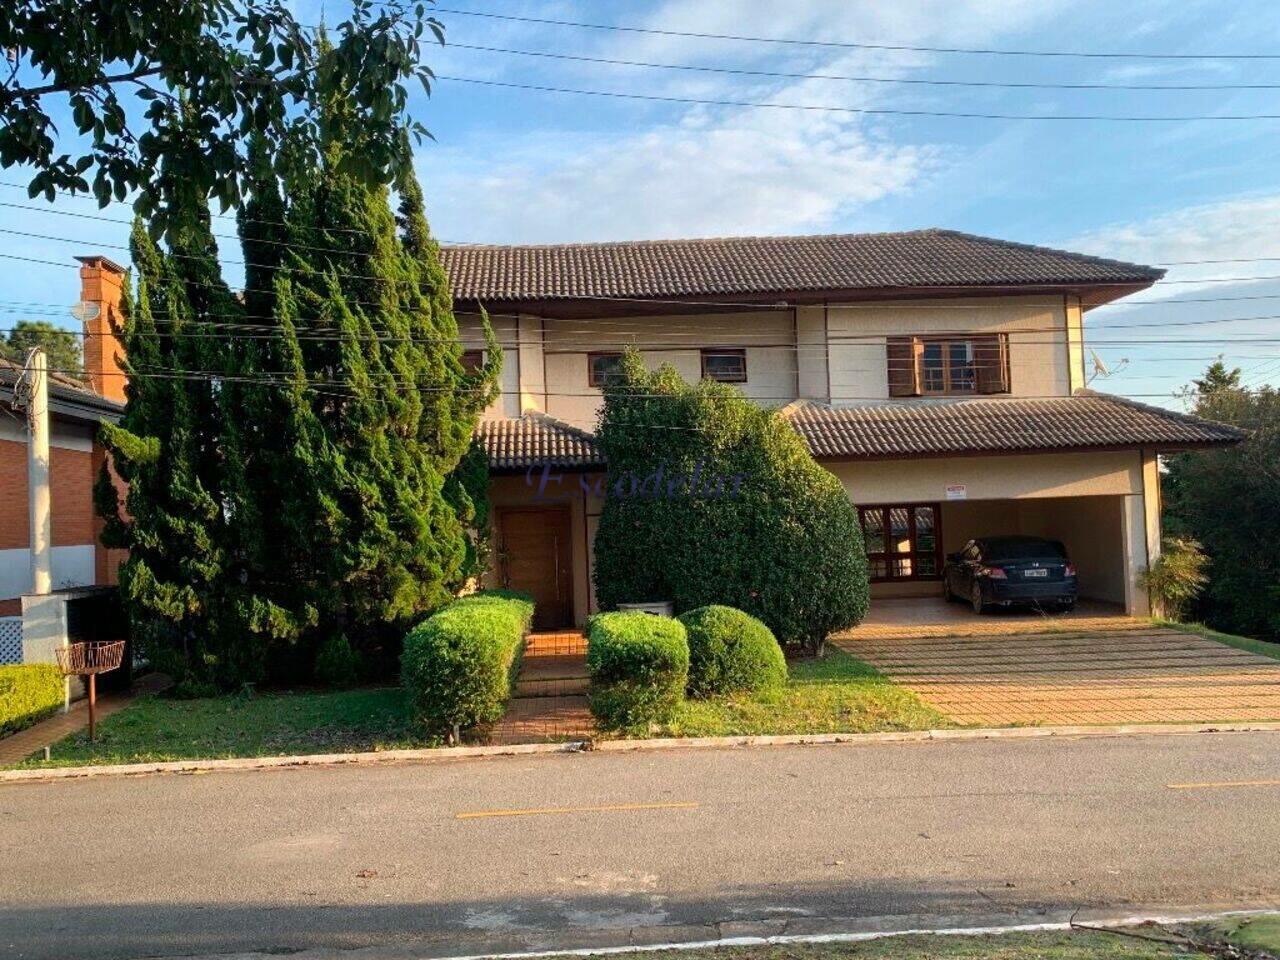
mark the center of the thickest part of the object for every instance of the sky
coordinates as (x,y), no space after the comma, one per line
(513,165)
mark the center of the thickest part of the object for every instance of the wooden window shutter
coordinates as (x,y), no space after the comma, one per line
(991,363)
(904,366)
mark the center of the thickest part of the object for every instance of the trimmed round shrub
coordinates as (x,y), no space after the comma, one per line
(730,652)
(460,664)
(639,666)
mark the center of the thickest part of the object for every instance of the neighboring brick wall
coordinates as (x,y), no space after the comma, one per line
(71,492)
(71,479)
(14,516)
(107,562)
(74,519)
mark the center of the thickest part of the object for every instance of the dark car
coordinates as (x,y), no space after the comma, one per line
(1009,571)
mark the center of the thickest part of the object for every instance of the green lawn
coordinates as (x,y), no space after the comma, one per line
(267,724)
(1260,647)
(1075,945)
(1252,933)
(834,694)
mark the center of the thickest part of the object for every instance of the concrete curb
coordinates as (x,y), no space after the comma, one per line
(925,736)
(427,755)
(441,754)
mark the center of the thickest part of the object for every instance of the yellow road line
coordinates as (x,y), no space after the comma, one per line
(604,808)
(1223,783)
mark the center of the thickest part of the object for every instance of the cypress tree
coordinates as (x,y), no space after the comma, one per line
(161,449)
(293,456)
(398,404)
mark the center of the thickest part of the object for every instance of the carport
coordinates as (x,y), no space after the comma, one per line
(1104,507)
(1091,528)
(929,474)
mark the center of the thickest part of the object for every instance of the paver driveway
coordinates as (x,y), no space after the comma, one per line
(1141,674)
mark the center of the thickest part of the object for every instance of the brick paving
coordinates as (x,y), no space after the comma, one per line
(549,702)
(17,747)
(1078,675)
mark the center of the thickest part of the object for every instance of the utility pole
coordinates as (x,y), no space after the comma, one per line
(36,393)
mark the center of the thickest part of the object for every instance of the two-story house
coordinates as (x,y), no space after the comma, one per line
(941,376)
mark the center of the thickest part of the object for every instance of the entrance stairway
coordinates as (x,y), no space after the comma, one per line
(550,699)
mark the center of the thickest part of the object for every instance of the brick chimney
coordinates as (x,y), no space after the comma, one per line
(101,285)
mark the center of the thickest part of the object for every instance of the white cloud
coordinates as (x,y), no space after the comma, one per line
(714,170)
(748,171)
(1242,227)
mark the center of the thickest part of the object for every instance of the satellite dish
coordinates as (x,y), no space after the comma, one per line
(86,310)
(1099,368)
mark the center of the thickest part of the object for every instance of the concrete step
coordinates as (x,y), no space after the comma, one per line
(565,643)
(550,687)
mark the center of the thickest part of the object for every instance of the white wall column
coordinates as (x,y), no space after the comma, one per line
(38,498)
(532,364)
(812,377)
(1136,558)
(1075,344)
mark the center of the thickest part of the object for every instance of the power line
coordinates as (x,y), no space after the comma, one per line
(597,334)
(449,243)
(289,379)
(914,81)
(855,111)
(846,44)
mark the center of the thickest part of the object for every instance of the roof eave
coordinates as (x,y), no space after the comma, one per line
(1092,294)
(1029,451)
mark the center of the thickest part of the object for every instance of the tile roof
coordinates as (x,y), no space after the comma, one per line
(67,395)
(767,265)
(922,428)
(535,440)
(911,428)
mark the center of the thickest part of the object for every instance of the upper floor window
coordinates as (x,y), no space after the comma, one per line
(603,368)
(947,366)
(472,361)
(726,366)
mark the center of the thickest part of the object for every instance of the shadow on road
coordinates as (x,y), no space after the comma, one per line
(441,928)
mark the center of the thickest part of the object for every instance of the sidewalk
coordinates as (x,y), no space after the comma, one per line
(24,743)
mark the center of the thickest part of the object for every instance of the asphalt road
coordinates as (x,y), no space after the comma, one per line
(426,860)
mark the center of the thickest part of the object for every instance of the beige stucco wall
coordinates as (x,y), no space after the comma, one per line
(507,403)
(1038,349)
(833,353)
(767,336)
(838,353)
(812,372)
(991,478)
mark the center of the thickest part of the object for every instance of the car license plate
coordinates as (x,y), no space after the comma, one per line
(1035,573)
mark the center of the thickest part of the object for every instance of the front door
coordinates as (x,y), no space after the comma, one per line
(535,559)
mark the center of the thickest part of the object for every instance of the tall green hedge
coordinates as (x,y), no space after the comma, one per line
(731,651)
(713,500)
(459,665)
(1228,501)
(639,665)
(29,692)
